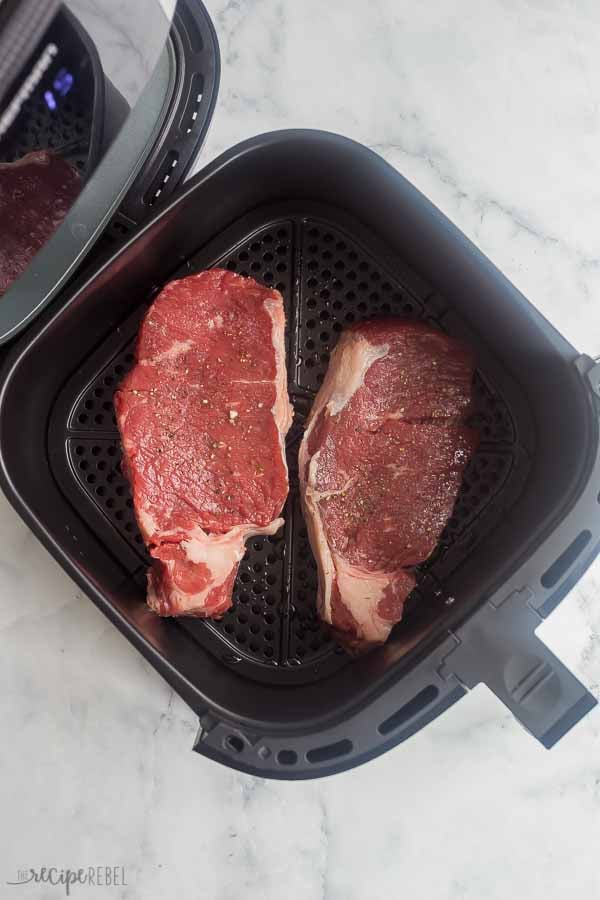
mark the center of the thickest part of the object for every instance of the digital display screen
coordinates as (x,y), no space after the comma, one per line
(62,84)
(46,144)
(50,105)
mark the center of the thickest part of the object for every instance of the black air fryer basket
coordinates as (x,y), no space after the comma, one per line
(343,237)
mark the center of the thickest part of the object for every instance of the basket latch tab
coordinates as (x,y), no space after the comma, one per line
(498,647)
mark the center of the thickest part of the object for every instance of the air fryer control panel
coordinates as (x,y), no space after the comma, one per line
(51,100)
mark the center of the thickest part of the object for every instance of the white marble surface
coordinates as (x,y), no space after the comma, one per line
(492,109)
(129,36)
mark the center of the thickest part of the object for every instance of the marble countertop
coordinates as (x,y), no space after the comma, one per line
(493,110)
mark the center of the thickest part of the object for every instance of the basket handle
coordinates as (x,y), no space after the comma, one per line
(500,649)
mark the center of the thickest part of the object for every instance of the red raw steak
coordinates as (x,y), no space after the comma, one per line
(36,193)
(381,464)
(203,417)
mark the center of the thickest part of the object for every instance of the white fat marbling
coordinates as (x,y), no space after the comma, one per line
(491,109)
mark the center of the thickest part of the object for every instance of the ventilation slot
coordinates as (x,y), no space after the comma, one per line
(159,185)
(409,710)
(564,562)
(192,110)
(329,751)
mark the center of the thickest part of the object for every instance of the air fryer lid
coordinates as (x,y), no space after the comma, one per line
(117,118)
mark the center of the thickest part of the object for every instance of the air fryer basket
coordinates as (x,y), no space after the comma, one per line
(344,238)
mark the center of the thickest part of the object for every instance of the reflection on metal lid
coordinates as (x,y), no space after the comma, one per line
(27,87)
(129,38)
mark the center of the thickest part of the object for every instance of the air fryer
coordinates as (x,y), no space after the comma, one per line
(343,237)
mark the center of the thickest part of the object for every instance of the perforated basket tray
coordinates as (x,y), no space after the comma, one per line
(273,692)
(338,281)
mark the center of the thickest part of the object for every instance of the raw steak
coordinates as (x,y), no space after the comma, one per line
(381,464)
(203,417)
(36,193)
